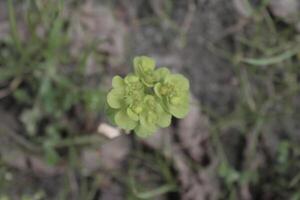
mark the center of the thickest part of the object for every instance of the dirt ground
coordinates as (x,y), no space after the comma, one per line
(239,140)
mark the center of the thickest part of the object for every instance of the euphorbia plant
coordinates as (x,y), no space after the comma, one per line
(146,99)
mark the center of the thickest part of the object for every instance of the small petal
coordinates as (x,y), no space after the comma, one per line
(142,132)
(179,111)
(148,80)
(164,120)
(145,129)
(132,115)
(148,62)
(161,73)
(142,64)
(130,78)
(110,113)
(114,98)
(156,89)
(151,127)
(123,121)
(117,82)
(149,99)
(179,80)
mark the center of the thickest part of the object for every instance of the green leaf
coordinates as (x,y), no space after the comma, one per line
(93,99)
(123,120)
(110,113)
(227,172)
(22,96)
(51,155)
(30,118)
(115,97)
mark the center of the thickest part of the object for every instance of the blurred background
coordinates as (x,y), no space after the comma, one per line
(240,140)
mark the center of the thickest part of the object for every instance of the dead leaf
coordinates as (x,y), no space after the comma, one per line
(193,132)
(16,151)
(162,141)
(109,156)
(193,135)
(287,10)
(95,24)
(196,185)
(4,24)
(243,7)
(112,191)
(109,131)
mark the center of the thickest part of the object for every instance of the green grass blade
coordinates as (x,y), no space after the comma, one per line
(270,61)
(13,25)
(156,192)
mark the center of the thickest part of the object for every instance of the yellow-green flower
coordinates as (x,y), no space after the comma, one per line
(151,117)
(174,94)
(147,99)
(125,98)
(144,67)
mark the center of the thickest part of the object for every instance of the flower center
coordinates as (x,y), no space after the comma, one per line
(137,109)
(166,89)
(175,100)
(151,117)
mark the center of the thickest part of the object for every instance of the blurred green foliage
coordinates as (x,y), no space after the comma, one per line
(46,86)
(45,81)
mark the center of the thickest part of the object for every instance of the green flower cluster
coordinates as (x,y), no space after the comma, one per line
(147,99)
